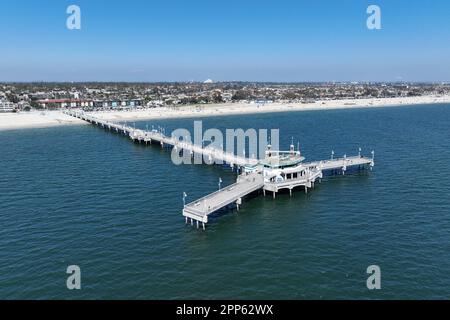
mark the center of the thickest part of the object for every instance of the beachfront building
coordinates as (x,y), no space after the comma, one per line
(65,103)
(118,104)
(154,104)
(6,106)
(263,101)
(89,104)
(227,96)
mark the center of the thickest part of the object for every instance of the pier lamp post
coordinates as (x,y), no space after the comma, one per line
(332,154)
(220,183)
(184,199)
(359,152)
(372,164)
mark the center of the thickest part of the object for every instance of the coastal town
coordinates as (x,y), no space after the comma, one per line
(23,97)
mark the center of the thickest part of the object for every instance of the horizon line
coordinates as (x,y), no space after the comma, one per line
(231,81)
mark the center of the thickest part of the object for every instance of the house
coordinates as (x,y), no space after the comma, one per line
(227,96)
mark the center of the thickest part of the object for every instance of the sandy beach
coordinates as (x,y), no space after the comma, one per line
(40,119)
(35,119)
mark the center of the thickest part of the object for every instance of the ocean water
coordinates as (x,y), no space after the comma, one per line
(82,196)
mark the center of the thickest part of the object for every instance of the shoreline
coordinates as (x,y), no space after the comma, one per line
(45,119)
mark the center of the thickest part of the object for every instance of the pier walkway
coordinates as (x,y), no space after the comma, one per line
(201,208)
(340,163)
(210,154)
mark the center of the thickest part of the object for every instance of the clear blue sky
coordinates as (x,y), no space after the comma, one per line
(182,40)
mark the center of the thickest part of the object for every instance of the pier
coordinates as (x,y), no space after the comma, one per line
(154,136)
(266,175)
